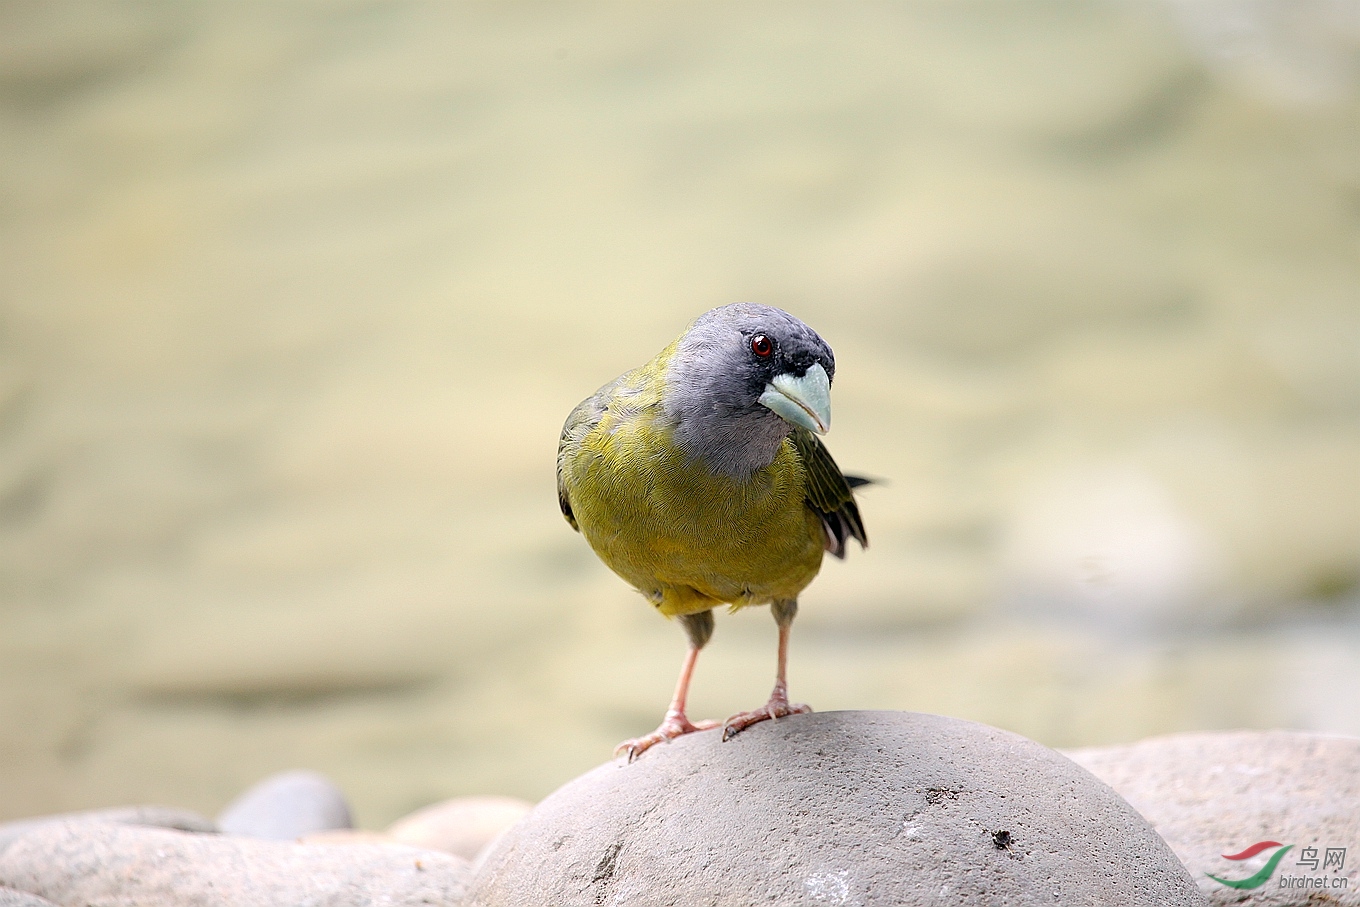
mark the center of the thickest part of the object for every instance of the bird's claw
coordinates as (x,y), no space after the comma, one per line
(674,725)
(775,708)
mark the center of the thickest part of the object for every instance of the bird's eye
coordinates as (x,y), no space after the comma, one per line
(761,346)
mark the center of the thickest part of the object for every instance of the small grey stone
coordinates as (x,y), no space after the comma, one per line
(10,897)
(129,866)
(153,816)
(848,808)
(1219,793)
(286,806)
(462,826)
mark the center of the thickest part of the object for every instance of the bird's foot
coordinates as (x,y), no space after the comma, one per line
(778,707)
(675,724)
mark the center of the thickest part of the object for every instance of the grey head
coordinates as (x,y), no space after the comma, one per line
(742,376)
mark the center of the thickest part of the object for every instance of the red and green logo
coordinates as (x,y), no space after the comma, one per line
(1263,874)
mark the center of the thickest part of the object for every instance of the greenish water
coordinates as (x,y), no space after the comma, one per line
(294,299)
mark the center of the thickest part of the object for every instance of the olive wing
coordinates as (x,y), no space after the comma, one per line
(829,493)
(580,423)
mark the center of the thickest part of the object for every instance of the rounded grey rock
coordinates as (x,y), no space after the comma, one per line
(842,808)
(1211,794)
(287,806)
(129,866)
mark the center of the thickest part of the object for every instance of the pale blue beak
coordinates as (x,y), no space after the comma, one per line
(804,401)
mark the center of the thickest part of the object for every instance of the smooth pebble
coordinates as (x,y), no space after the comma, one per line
(287,806)
(462,826)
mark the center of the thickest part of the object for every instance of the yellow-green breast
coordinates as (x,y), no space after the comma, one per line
(686,537)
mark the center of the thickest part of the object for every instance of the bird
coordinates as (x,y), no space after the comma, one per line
(699,478)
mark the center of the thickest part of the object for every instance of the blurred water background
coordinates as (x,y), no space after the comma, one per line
(295,297)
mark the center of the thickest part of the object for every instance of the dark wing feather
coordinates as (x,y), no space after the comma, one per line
(580,423)
(829,493)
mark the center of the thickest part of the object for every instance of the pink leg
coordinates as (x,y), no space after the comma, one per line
(779,705)
(675,723)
